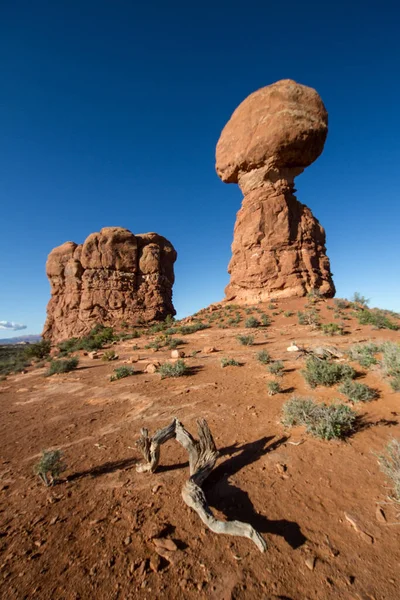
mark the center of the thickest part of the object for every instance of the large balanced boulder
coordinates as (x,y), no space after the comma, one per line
(112,278)
(278,248)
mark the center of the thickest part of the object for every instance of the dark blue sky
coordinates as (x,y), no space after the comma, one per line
(110,112)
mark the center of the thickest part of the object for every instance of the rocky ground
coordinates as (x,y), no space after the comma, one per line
(107,532)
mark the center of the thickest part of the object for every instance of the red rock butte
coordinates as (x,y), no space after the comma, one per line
(278,248)
(113,277)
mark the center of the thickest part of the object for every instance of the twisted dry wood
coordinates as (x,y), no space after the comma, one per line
(202,458)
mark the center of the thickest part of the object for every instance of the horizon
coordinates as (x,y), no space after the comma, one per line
(111,114)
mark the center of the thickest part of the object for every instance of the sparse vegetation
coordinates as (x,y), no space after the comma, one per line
(323,372)
(308,317)
(360,300)
(332,329)
(390,465)
(265,320)
(121,373)
(109,355)
(62,366)
(341,304)
(50,466)
(357,392)
(177,369)
(391,359)
(321,420)
(229,362)
(96,339)
(251,323)
(39,350)
(288,313)
(395,383)
(12,359)
(273,388)
(364,354)
(263,357)
(276,368)
(174,343)
(376,318)
(245,340)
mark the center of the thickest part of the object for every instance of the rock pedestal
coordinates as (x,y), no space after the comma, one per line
(278,248)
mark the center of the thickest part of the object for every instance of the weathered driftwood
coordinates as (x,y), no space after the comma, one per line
(202,458)
(321,352)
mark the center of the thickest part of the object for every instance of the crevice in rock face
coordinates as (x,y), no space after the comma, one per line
(113,278)
(278,248)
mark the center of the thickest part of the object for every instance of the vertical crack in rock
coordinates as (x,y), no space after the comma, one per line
(278,247)
(114,276)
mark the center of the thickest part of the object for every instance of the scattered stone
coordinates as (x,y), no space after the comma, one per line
(155,563)
(134,358)
(279,246)
(165,543)
(127,540)
(23,390)
(310,562)
(292,348)
(380,515)
(156,488)
(93,354)
(281,468)
(363,534)
(177,354)
(209,350)
(152,367)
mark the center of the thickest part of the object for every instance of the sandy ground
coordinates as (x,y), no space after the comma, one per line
(91,535)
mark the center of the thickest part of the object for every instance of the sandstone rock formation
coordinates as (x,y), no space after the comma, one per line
(114,276)
(278,248)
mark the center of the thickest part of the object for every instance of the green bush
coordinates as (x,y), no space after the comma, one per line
(357,392)
(276,368)
(308,317)
(12,359)
(364,354)
(62,366)
(391,358)
(94,340)
(288,313)
(263,357)
(341,304)
(265,320)
(177,369)
(187,329)
(121,373)
(252,323)
(245,340)
(332,329)
(109,355)
(390,465)
(323,372)
(50,466)
(273,388)
(359,299)
(395,383)
(39,350)
(229,362)
(320,420)
(174,343)
(376,318)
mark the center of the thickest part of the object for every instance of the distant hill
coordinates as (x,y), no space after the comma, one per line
(27,339)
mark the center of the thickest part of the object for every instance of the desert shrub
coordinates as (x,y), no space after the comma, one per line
(323,372)
(340,303)
(395,383)
(156,344)
(176,369)
(94,340)
(321,420)
(308,317)
(265,320)
(62,366)
(276,368)
(314,295)
(271,306)
(229,362)
(136,334)
(12,359)
(50,466)
(245,340)
(248,311)
(390,465)
(174,343)
(376,318)
(187,329)
(121,373)
(332,329)
(390,358)
(263,357)
(364,354)
(251,323)
(109,355)
(288,313)
(39,350)
(359,299)
(273,388)
(357,392)
(157,327)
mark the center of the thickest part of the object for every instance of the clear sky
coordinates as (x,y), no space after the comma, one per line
(110,111)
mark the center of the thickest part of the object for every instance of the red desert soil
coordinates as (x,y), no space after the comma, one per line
(90,536)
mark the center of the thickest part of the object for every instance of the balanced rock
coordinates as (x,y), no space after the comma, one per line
(278,248)
(113,277)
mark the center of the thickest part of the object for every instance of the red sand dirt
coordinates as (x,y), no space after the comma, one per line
(91,535)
